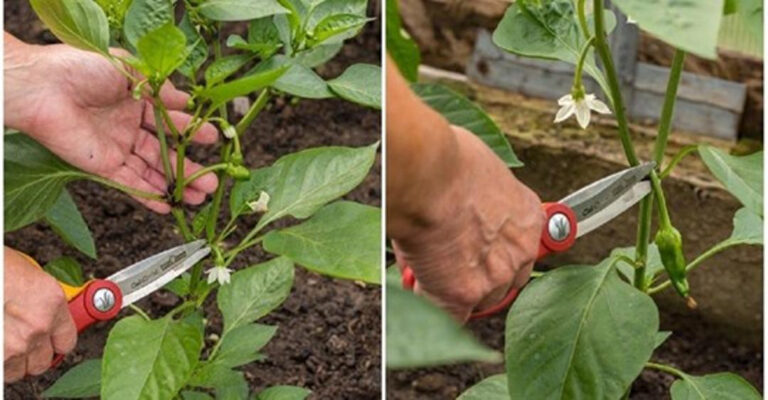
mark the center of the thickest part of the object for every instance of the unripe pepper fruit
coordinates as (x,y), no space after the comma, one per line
(670,244)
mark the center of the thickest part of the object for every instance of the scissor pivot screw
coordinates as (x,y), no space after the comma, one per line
(559,227)
(104,299)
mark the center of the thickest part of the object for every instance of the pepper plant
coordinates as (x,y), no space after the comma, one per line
(587,332)
(166,357)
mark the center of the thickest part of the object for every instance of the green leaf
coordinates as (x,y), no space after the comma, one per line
(333,25)
(459,110)
(298,80)
(360,83)
(145,16)
(328,8)
(149,359)
(747,228)
(318,55)
(241,345)
(700,20)
(721,386)
(82,380)
(197,49)
(78,23)
(223,93)
(224,67)
(342,239)
(163,50)
(228,384)
(180,285)
(263,38)
(400,47)
(419,334)
(66,270)
(115,11)
(283,393)
(741,176)
(653,264)
(661,337)
(492,388)
(566,317)
(67,222)
(240,10)
(549,30)
(34,179)
(254,292)
(301,183)
(189,395)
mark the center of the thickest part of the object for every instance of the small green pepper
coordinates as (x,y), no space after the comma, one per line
(238,172)
(670,244)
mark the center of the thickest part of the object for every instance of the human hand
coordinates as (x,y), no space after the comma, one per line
(481,236)
(81,108)
(37,323)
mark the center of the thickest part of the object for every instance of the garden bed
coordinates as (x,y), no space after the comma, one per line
(329,333)
(723,334)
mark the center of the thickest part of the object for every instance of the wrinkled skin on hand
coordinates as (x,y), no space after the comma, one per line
(482,236)
(80,107)
(37,322)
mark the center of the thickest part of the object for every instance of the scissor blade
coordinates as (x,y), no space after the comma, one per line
(630,198)
(150,274)
(600,195)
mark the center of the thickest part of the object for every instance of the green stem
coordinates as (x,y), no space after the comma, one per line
(665,123)
(577,76)
(254,111)
(139,311)
(603,50)
(206,170)
(696,263)
(677,158)
(231,254)
(160,128)
(665,368)
(641,244)
(583,18)
(126,189)
(181,221)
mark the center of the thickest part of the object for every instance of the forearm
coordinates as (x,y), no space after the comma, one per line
(20,82)
(422,157)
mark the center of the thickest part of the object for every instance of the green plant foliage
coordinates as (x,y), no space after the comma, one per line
(68,223)
(492,388)
(298,80)
(82,380)
(459,110)
(224,67)
(254,292)
(145,16)
(223,93)
(741,176)
(722,386)
(163,50)
(403,50)
(360,83)
(149,359)
(196,47)
(66,270)
(283,393)
(301,183)
(661,337)
(653,265)
(342,239)
(241,345)
(419,334)
(318,55)
(240,10)
(334,25)
(548,29)
(34,179)
(78,23)
(695,18)
(551,344)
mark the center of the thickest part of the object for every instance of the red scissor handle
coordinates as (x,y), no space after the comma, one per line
(100,300)
(558,235)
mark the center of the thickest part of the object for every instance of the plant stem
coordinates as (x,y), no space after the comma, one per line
(181,221)
(668,110)
(583,18)
(641,244)
(665,368)
(231,254)
(126,189)
(577,76)
(677,158)
(160,128)
(206,170)
(139,311)
(254,111)
(604,52)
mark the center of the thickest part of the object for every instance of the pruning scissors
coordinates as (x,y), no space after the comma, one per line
(576,215)
(101,299)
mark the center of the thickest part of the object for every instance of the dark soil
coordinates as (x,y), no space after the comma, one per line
(329,330)
(691,348)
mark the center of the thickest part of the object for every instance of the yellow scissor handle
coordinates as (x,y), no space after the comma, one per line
(70,292)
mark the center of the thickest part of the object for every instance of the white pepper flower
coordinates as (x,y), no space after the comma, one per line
(229,132)
(261,205)
(582,107)
(220,274)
